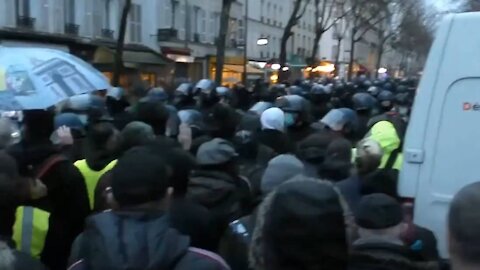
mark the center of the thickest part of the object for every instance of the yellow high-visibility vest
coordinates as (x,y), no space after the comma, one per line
(92,177)
(30,230)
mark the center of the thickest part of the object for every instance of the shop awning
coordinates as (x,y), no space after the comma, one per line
(104,55)
(240,69)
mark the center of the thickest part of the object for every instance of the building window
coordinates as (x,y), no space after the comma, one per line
(108,10)
(182,34)
(69,11)
(203,25)
(23,8)
(241,31)
(269,10)
(275,47)
(212,28)
(135,23)
(334,52)
(167,17)
(262,12)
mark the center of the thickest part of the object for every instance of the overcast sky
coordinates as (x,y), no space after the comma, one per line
(444,5)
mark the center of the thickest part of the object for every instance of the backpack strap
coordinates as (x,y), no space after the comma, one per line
(392,158)
(47,164)
(210,256)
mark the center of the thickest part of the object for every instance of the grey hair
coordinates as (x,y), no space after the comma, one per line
(463,223)
(258,250)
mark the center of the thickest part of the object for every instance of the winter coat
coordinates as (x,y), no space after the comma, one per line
(386,255)
(236,241)
(67,199)
(11,259)
(276,140)
(137,240)
(193,220)
(225,196)
(299,133)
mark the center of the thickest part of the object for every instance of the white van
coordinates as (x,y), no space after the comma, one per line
(442,147)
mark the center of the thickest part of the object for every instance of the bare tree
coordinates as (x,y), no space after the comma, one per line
(297,13)
(327,14)
(471,5)
(388,29)
(415,34)
(340,28)
(364,16)
(118,63)
(222,37)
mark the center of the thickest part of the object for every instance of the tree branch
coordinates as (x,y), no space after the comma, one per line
(303,10)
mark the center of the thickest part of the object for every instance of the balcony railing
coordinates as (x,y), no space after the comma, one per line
(72,29)
(107,33)
(26,22)
(166,34)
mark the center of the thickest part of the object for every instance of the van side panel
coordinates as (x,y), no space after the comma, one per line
(413,150)
(450,134)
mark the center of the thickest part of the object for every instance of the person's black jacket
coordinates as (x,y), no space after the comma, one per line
(386,256)
(225,196)
(67,199)
(276,140)
(193,220)
(137,240)
(236,241)
(15,260)
(299,133)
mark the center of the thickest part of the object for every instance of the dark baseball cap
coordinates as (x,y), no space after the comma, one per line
(378,211)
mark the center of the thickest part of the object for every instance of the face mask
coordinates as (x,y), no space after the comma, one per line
(289,120)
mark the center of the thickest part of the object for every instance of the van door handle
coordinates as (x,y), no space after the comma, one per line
(415,156)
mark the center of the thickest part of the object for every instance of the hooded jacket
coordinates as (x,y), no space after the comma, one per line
(67,200)
(301,211)
(221,193)
(377,254)
(386,135)
(138,241)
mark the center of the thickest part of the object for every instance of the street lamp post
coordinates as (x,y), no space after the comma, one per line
(245,46)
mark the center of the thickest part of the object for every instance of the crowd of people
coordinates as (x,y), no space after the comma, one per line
(277,177)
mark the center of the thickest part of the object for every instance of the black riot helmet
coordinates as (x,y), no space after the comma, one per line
(259,107)
(319,94)
(208,95)
(183,96)
(295,90)
(205,86)
(373,90)
(402,89)
(295,107)
(224,94)
(277,90)
(363,102)
(157,94)
(194,119)
(386,100)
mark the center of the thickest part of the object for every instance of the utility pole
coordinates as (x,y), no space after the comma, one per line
(245,46)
